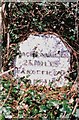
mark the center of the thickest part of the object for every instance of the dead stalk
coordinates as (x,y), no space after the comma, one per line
(6,71)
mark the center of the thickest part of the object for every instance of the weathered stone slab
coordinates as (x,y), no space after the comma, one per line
(44,58)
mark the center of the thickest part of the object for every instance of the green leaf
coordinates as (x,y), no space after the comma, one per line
(50,116)
(65,107)
(28,100)
(2,117)
(43,108)
(52,103)
(38,97)
(40,28)
(31,93)
(34,111)
(72,38)
(15,90)
(21,113)
(6,85)
(49,104)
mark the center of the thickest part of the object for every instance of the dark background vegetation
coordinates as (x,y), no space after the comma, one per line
(18,98)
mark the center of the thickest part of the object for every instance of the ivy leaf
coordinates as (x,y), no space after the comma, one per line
(52,103)
(21,114)
(40,28)
(43,108)
(72,38)
(2,117)
(51,116)
(28,100)
(34,111)
(65,107)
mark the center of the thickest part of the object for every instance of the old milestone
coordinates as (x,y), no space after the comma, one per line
(45,58)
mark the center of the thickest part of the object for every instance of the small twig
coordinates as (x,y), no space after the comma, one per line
(76,17)
(70,47)
(77,79)
(74,108)
(22,96)
(7,71)
(8,42)
(63,117)
(7,95)
(76,105)
(12,81)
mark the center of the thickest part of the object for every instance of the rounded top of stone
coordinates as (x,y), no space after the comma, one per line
(44,57)
(49,36)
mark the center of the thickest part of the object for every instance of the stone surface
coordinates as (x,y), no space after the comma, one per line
(45,59)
